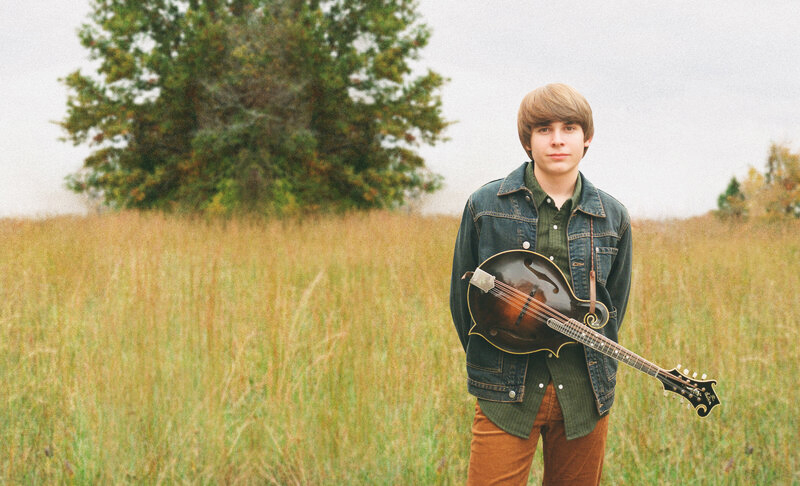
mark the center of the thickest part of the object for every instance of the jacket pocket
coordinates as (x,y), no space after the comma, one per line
(483,357)
(500,232)
(604,256)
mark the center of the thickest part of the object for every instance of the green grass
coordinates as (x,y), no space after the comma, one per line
(141,348)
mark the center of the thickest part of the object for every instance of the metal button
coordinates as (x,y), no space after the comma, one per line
(512,394)
(526,244)
(548,200)
(541,385)
(528,198)
(550,355)
(552,258)
(555,226)
(560,387)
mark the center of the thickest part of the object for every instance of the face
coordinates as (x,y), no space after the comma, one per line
(557,148)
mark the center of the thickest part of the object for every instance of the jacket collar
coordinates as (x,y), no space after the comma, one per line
(589,202)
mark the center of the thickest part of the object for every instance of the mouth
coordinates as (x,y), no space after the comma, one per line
(558,156)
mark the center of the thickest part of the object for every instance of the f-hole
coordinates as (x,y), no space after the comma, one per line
(541,276)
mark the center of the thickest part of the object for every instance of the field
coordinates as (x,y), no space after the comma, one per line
(147,349)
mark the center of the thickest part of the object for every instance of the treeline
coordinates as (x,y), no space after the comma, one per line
(771,195)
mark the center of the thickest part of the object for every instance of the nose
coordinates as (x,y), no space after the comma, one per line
(557,137)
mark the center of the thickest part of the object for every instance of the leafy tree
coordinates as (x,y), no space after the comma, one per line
(277,105)
(783,180)
(775,194)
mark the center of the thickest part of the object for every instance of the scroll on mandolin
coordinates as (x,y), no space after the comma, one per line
(521,303)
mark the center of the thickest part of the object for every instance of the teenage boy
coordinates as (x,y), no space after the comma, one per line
(545,205)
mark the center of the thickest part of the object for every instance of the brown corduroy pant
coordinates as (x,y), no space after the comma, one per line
(497,457)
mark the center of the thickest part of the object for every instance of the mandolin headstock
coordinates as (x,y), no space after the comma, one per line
(699,393)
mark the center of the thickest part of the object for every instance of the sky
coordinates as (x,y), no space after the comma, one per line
(685,95)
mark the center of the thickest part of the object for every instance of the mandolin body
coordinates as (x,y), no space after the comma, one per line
(517,323)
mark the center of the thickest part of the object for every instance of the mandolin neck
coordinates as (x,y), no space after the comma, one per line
(596,341)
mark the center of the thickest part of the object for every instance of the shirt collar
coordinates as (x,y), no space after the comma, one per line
(539,196)
(588,202)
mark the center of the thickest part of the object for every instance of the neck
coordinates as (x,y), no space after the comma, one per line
(558,186)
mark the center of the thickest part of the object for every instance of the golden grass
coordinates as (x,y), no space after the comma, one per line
(152,349)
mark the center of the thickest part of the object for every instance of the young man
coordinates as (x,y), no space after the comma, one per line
(545,205)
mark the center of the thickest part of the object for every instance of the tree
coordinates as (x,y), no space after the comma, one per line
(272,106)
(775,194)
(782,181)
(731,202)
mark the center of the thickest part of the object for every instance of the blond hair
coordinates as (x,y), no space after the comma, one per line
(550,103)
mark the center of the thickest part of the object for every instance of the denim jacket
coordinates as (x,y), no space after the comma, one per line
(501,216)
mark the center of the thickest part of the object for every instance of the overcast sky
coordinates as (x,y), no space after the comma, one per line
(685,94)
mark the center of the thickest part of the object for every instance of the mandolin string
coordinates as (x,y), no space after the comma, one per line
(538,309)
(523,298)
(518,300)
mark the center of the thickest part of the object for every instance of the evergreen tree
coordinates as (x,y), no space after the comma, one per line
(731,202)
(277,105)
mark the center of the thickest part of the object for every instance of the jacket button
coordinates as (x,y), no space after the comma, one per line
(512,394)
(526,244)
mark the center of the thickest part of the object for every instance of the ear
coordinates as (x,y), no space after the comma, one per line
(587,142)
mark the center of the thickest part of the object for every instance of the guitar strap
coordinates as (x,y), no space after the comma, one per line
(592,276)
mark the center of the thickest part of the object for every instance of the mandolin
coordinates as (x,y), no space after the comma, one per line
(521,303)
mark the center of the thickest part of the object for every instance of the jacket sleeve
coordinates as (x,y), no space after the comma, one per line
(619,279)
(465,259)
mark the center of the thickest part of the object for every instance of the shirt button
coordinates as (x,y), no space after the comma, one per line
(555,226)
(512,394)
(550,355)
(548,200)
(552,258)
(526,244)
(541,385)
(560,387)
(528,198)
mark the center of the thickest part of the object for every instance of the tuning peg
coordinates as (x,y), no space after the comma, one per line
(678,367)
(703,377)
(686,372)
(694,375)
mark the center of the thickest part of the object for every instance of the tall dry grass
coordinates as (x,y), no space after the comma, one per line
(150,349)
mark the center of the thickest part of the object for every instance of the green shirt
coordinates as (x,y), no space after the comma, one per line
(568,371)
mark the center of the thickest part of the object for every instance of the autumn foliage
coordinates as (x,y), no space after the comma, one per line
(771,195)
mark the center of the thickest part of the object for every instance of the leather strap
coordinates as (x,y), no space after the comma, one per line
(592,276)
